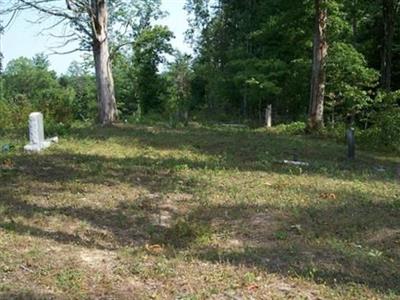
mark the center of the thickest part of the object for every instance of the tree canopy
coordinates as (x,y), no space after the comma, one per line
(247,55)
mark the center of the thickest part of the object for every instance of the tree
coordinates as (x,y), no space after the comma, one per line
(242,64)
(318,79)
(351,83)
(90,21)
(124,84)
(179,79)
(149,51)
(24,76)
(389,11)
(30,85)
(98,15)
(83,82)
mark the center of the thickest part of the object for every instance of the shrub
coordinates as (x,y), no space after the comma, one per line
(14,115)
(54,128)
(6,113)
(386,130)
(295,128)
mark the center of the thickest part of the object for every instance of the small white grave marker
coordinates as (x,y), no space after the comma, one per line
(268,116)
(36,134)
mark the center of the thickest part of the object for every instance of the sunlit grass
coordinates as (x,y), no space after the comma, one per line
(204,212)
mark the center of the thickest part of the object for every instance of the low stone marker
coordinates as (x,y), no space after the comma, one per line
(296,163)
(36,134)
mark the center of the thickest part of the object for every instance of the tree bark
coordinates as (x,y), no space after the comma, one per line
(104,78)
(318,80)
(387,49)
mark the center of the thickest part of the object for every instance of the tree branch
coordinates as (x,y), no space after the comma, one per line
(52,12)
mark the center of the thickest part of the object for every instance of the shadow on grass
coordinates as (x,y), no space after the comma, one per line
(346,242)
(28,295)
(354,240)
(126,225)
(336,243)
(250,150)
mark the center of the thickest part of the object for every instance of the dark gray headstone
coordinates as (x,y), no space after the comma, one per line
(351,144)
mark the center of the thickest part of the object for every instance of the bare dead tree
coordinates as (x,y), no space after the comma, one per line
(89,20)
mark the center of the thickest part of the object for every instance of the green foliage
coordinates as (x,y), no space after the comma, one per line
(351,82)
(248,54)
(22,76)
(14,114)
(149,51)
(29,85)
(179,95)
(387,127)
(6,114)
(382,123)
(186,232)
(83,83)
(53,128)
(69,279)
(124,85)
(254,53)
(295,128)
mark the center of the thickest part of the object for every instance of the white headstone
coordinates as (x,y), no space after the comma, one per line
(268,116)
(36,129)
(36,133)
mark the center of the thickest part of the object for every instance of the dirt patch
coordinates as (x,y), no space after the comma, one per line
(165,208)
(180,197)
(98,259)
(258,229)
(135,288)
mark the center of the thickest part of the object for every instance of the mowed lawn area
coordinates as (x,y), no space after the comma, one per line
(148,212)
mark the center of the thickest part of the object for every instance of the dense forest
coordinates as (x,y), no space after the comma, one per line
(324,64)
(254,53)
(156,174)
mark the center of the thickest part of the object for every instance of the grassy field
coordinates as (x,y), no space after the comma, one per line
(139,212)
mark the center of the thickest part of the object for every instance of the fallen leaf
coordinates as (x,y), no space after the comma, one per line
(252,287)
(7,165)
(328,196)
(154,249)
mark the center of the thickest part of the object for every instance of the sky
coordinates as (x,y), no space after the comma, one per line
(23,38)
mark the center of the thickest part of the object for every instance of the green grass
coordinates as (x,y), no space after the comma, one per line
(139,212)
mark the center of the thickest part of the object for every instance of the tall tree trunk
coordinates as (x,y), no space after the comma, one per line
(354,18)
(104,78)
(387,49)
(105,84)
(320,51)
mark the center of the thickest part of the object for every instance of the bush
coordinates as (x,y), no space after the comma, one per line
(295,128)
(14,115)
(59,106)
(337,133)
(5,115)
(54,128)
(386,130)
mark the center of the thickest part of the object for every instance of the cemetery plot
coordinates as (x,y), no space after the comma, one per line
(137,212)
